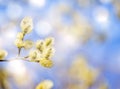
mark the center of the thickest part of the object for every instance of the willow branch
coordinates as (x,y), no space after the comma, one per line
(14,59)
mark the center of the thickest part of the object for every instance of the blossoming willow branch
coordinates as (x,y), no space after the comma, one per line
(41,52)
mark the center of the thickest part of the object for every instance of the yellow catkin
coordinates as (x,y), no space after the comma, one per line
(33,55)
(28,44)
(20,35)
(48,53)
(19,43)
(3,54)
(39,45)
(49,41)
(46,63)
(26,25)
(46,84)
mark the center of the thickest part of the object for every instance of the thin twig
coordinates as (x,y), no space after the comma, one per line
(14,59)
(26,57)
(19,50)
(4,60)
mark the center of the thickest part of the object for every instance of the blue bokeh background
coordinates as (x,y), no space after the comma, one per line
(80,27)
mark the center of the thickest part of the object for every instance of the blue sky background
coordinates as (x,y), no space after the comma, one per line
(97,20)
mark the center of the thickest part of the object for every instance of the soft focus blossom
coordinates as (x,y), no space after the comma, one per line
(3,54)
(46,84)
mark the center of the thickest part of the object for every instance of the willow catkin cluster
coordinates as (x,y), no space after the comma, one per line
(46,84)
(82,71)
(26,27)
(43,52)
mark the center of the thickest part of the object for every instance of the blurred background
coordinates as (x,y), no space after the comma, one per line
(87,43)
